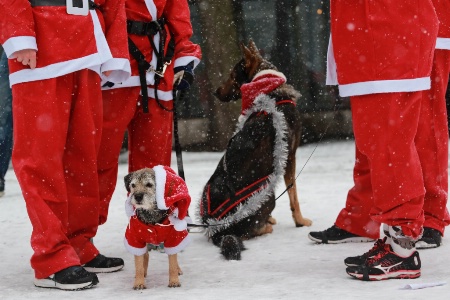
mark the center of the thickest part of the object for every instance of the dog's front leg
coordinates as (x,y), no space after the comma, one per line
(141,271)
(295,208)
(174,271)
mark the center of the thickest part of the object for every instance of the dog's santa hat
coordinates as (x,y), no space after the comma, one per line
(171,192)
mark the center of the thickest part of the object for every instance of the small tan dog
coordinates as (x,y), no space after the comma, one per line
(157,206)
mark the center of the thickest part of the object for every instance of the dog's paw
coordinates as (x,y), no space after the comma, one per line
(173,283)
(272,220)
(303,222)
(139,287)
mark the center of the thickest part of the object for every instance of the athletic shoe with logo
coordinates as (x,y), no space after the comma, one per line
(70,279)
(431,238)
(103,264)
(361,259)
(335,235)
(386,264)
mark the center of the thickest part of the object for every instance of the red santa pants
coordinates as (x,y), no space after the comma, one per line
(56,140)
(149,138)
(431,143)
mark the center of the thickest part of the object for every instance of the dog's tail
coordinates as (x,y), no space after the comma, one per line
(231,246)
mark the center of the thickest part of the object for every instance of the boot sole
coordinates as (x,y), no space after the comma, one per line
(51,284)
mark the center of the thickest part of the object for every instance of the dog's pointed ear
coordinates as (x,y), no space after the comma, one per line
(127,180)
(247,55)
(254,49)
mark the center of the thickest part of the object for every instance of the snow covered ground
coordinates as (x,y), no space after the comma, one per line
(282,265)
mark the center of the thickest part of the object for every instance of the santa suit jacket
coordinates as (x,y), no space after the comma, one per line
(65,43)
(178,23)
(376,46)
(443,12)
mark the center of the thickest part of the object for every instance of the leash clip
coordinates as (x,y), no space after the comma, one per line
(161,73)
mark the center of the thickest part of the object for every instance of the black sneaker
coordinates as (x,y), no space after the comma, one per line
(335,235)
(103,264)
(431,238)
(386,264)
(361,259)
(70,279)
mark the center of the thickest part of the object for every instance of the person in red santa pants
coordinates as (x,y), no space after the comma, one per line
(57,55)
(353,223)
(159,35)
(380,54)
(171,194)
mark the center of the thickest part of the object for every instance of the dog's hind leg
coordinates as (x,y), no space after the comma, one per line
(174,270)
(146,260)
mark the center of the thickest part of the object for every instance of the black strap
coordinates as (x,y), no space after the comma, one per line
(143,66)
(176,98)
(76,3)
(145,28)
(149,29)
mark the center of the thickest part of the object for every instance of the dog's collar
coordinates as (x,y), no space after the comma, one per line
(285,101)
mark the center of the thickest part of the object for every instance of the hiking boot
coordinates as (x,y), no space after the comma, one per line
(70,279)
(361,259)
(335,235)
(386,264)
(103,264)
(431,238)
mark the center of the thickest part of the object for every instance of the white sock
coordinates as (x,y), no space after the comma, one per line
(401,244)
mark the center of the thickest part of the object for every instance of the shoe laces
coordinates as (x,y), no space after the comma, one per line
(378,244)
(381,251)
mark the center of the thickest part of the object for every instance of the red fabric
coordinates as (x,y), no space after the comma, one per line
(138,234)
(74,40)
(369,46)
(149,138)
(431,143)
(54,159)
(177,15)
(149,135)
(176,194)
(442,10)
(388,143)
(260,85)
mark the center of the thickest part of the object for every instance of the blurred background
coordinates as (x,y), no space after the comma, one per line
(293,35)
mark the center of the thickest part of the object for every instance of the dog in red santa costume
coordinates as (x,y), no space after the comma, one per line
(157,208)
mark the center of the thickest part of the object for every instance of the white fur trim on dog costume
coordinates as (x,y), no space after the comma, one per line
(134,250)
(160,179)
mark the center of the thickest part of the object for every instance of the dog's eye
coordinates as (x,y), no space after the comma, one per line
(149,185)
(133,185)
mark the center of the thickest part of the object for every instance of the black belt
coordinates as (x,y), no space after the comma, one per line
(76,3)
(145,28)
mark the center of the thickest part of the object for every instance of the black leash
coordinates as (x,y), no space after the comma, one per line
(314,150)
(178,96)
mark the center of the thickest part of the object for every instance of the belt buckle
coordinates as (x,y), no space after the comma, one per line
(75,10)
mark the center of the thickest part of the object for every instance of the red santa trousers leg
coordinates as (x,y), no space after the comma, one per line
(385,126)
(150,137)
(355,216)
(119,107)
(56,141)
(432,144)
